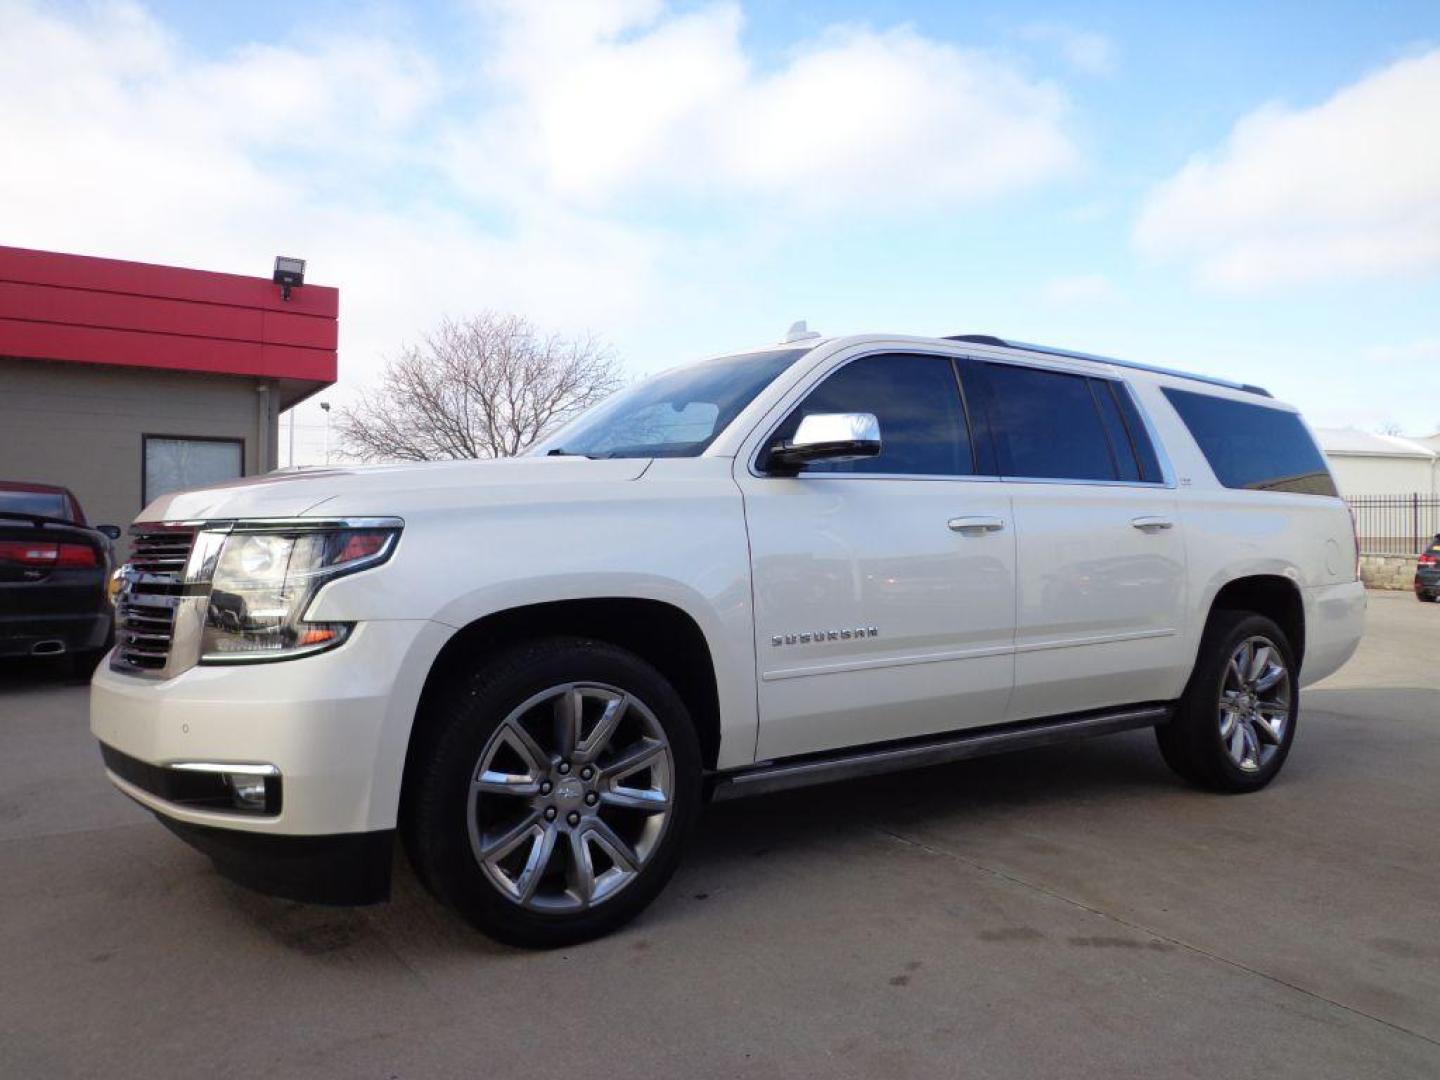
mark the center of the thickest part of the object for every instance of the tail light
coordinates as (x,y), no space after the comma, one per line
(33,554)
(1429,560)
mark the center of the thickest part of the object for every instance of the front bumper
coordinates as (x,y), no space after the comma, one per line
(336,726)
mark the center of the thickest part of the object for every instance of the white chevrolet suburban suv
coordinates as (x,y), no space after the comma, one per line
(789,566)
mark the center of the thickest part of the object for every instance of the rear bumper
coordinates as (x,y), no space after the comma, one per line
(1334,623)
(20,634)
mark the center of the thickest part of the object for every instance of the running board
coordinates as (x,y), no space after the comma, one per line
(850,763)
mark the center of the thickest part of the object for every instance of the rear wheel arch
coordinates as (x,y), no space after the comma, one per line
(1275,596)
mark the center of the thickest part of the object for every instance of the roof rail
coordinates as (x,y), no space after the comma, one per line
(1049,350)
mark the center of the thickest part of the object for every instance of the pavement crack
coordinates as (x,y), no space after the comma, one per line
(1024,883)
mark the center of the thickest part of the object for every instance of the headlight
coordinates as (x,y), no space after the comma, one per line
(264,582)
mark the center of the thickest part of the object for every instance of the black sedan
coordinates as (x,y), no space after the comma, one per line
(1427,572)
(54,576)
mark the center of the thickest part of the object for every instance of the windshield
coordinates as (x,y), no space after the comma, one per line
(675,414)
(45,503)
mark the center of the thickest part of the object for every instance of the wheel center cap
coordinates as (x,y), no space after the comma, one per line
(570,790)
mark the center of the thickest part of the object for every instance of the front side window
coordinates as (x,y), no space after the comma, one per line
(1253,446)
(1048,425)
(917,401)
(173,463)
(675,414)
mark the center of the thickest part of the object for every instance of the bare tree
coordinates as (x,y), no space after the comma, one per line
(1390,428)
(484,387)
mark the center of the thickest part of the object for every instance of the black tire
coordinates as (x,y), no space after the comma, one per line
(1192,744)
(1425,597)
(435,827)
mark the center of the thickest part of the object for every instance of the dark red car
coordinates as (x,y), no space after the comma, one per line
(54,576)
(1427,572)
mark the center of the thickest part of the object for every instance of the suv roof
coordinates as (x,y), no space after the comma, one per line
(1074,354)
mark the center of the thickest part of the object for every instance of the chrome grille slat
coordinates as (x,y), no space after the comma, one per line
(146,608)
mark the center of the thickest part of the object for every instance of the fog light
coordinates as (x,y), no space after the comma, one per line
(247,790)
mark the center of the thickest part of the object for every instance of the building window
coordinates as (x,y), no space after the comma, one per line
(173,463)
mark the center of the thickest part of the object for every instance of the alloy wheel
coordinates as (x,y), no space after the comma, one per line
(571,797)
(1255,698)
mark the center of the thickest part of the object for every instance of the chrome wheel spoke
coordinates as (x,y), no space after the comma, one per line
(580,875)
(1269,678)
(569,710)
(1267,729)
(638,757)
(649,800)
(1259,660)
(604,730)
(494,849)
(491,780)
(536,865)
(620,852)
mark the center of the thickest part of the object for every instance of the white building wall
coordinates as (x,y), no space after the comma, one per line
(1375,475)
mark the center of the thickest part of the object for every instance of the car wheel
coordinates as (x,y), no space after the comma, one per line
(554,792)
(1425,597)
(1235,723)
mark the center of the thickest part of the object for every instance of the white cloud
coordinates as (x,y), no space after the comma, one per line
(424,187)
(1079,290)
(1347,189)
(641,101)
(1086,51)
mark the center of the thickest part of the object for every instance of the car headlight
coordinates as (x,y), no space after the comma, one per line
(263,584)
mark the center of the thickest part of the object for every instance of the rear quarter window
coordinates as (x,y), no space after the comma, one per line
(1253,446)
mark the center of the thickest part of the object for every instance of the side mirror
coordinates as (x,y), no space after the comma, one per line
(826,437)
(112,531)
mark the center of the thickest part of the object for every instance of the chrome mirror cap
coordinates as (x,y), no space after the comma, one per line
(827,437)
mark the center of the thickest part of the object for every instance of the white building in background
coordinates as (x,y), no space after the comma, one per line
(1366,464)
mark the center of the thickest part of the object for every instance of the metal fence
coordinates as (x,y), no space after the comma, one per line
(1395,524)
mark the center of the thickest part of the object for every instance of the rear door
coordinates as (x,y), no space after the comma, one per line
(1100,559)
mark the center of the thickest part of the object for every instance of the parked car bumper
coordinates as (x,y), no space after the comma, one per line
(332,728)
(1334,622)
(53,635)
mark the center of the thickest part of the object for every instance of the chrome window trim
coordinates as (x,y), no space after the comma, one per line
(1167,472)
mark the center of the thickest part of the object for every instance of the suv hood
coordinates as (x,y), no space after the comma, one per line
(382,489)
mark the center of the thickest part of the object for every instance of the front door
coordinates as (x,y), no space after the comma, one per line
(884,588)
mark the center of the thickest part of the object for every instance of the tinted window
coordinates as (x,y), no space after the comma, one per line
(1126,465)
(45,503)
(1046,425)
(917,401)
(1253,446)
(675,414)
(1139,437)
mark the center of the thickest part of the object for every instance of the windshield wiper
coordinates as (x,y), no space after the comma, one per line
(560,451)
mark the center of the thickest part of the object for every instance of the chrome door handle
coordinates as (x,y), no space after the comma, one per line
(1151,523)
(973,526)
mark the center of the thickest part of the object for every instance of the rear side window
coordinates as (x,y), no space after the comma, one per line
(917,401)
(1047,425)
(1252,446)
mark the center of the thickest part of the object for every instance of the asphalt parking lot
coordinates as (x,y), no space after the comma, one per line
(1067,912)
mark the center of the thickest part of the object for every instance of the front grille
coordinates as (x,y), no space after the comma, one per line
(145,609)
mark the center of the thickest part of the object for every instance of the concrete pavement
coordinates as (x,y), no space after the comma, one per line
(1067,912)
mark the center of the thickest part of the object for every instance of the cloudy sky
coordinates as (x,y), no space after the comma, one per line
(1253,193)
